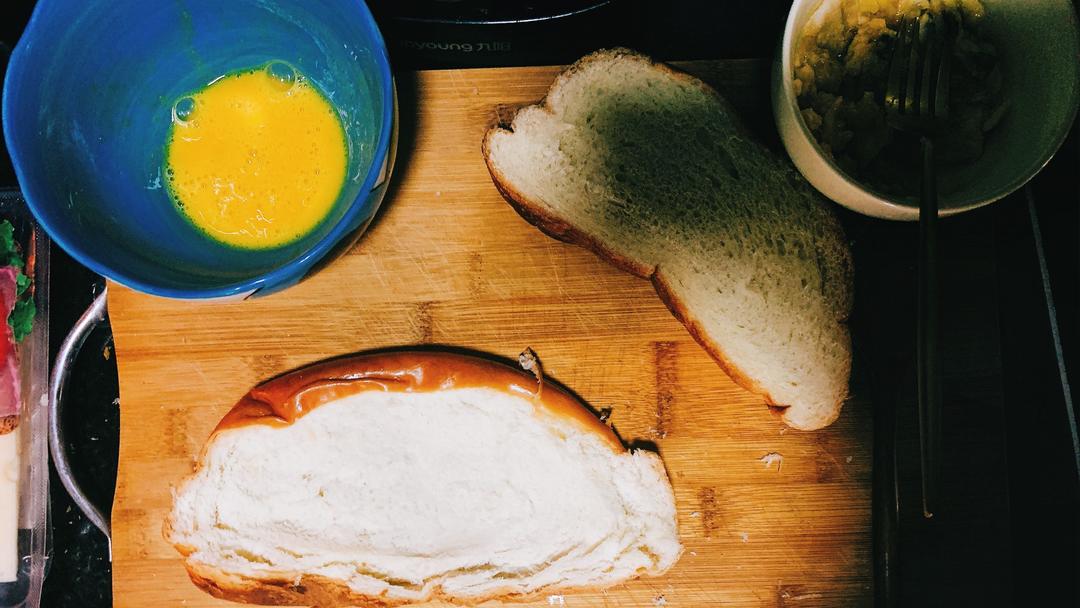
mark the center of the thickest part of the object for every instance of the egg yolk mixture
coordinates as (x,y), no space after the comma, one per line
(256,159)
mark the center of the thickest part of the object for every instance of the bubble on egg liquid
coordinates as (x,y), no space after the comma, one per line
(284,75)
(183,110)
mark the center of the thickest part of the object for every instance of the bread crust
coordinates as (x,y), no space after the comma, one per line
(282,400)
(558,228)
(322,592)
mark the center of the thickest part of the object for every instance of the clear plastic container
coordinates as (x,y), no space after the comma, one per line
(29,494)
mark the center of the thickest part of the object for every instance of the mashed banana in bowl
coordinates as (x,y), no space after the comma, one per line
(841,65)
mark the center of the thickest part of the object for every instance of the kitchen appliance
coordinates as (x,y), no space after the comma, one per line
(468,33)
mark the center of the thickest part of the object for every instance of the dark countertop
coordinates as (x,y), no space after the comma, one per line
(1008,528)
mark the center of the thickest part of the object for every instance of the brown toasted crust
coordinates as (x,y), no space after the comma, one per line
(309,590)
(284,399)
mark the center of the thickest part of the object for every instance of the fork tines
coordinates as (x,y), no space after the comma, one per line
(917,90)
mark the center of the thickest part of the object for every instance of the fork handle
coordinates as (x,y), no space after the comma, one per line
(929,363)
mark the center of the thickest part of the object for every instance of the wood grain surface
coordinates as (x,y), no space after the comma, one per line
(447,261)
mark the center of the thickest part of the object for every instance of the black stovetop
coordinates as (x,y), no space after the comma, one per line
(1009,530)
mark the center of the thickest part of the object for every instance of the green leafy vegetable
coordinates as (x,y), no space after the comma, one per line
(22,283)
(21,319)
(22,314)
(9,251)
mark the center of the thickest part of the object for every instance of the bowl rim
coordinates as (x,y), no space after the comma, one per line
(291,270)
(882,205)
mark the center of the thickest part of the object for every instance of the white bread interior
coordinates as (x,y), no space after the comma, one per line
(651,169)
(462,494)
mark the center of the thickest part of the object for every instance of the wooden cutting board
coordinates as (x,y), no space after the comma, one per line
(447,261)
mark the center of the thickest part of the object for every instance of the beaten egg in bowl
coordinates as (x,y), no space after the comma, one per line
(257,158)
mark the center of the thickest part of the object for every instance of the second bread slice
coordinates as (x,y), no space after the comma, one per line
(650,168)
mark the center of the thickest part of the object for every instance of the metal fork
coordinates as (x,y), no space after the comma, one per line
(917,101)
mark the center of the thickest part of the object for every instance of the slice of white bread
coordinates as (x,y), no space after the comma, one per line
(650,168)
(402,477)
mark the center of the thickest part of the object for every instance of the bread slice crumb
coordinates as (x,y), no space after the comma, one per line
(651,169)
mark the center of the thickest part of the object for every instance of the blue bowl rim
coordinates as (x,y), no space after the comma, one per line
(282,274)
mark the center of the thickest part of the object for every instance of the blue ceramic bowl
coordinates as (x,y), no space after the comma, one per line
(87,107)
